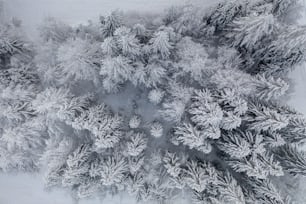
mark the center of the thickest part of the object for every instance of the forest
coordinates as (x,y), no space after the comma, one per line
(189,103)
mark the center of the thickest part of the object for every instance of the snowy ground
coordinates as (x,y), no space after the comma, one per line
(298,97)
(28,189)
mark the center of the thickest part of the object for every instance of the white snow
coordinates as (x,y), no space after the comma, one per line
(28,189)
(298,76)
(298,97)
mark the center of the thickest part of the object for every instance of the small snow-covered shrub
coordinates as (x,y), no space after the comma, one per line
(156,129)
(135,121)
(156,96)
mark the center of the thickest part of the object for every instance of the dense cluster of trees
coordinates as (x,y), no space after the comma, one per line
(214,78)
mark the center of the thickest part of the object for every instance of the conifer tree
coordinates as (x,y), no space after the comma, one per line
(161,44)
(105,126)
(248,31)
(111,23)
(78,60)
(225,12)
(53,30)
(270,88)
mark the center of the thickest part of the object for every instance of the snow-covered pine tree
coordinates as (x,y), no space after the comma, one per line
(111,23)
(293,160)
(225,12)
(115,71)
(192,137)
(161,44)
(78,60)
(204,111)
(127,42)
(266,192)
(264,118)
(54,30)
(230,191)
(270,88)
(198,175)
(136,144)
(22,135)
(295,132)
(172,163)
(186,20)
(13,45)
(60,104)
(113,170)
(156,129)
(21,148)
(135,121)
(287,50)
(78,164)
(194,60)
(174,108)
(156,96)
(104,126)
(248,31)
(58,148)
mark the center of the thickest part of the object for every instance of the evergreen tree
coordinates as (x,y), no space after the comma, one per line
(115,71)
(136,144)
(230,191)
(292,160)
(287,50)
(192,137)
(161,44)
(270,88)
(53,30)
(264,118)
(77,168)
(248,31)
(127,42)
(105,126)
(113,170)
(78,60)
(225,12)
(111,23)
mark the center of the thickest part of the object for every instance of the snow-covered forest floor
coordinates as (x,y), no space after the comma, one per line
(29,188)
